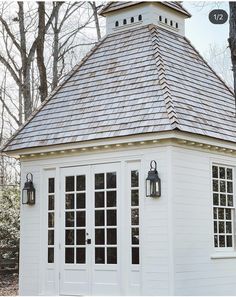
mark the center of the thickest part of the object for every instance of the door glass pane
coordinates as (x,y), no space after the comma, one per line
(99,236)
(69,255)
(99,255)
(134,216)
(111,217)
(50,255)
(80,237)
(134,197)
(111,199)
(51,185)
(80,182)
(112,255)
(70,220)
(135,255)
(111,236)
(135,236)
(51,202)
(80,200)
(99,181)
(69,237)
(80,255)
(99,199)
(80,218)
(50,237)
(134,178)
(51,220)
(99,217)
(111,180)
(70,183)
(70,201)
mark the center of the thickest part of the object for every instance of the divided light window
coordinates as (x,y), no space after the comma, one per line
(223,206)
(134,204)
(51,219)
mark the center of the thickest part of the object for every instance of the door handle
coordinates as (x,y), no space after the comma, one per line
(88,241)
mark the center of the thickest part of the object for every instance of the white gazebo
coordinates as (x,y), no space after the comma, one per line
(95,218)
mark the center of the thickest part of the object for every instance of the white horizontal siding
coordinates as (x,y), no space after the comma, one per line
(30,243)
(195,272)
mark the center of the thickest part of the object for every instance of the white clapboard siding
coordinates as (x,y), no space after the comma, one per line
(30,241)
(195,272)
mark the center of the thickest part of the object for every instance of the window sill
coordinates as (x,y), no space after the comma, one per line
(223,255)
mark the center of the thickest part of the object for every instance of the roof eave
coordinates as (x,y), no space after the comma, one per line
(188,139)
(105,10)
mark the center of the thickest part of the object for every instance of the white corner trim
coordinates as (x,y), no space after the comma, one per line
(223,255)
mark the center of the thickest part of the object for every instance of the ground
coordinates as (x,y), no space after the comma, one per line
(8,284)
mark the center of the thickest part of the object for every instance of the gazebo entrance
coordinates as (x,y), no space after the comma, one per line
(97,220)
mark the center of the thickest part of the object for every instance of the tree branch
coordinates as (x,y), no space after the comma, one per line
(5,25)
(10,69)
(8,110)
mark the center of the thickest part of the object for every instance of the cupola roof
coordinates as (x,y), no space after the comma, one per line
(118,5)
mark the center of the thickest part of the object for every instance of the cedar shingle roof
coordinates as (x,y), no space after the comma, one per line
(115,5)
(141,80)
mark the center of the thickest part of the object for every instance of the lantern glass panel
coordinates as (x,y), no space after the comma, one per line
(148,188)
(31,196)
(153,188)
(24,196)
(157,187)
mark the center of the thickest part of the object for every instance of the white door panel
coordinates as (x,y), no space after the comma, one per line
(75,257)
(97,249)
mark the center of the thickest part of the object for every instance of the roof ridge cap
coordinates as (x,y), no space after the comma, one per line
(170,108)
(49,97)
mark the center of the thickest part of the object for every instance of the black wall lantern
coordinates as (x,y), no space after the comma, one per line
(28,192)
(153,182)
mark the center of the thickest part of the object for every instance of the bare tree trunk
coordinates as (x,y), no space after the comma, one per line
(20,113)
(25,64)
(232,41)
(95,15)
(43,88)
(55,54)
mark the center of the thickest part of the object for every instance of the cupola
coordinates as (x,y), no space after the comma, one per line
(125,15)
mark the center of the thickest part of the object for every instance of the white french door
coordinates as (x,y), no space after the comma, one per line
(90,253)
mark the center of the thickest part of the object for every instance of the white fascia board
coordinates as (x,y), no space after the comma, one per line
(181,138)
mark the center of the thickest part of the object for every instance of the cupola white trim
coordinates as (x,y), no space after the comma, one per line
(144,13)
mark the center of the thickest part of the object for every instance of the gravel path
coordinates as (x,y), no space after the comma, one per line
(8,284)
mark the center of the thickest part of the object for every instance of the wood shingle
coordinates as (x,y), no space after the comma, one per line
(141,80)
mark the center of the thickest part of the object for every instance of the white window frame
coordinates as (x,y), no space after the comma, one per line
(223,249)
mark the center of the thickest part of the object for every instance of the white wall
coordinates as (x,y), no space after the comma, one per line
(30,238)
(196,273)
(150,15)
